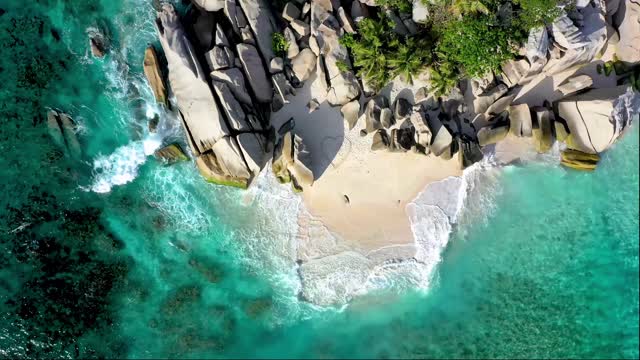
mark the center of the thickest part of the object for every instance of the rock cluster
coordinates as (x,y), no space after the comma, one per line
(223,85)
(587,120)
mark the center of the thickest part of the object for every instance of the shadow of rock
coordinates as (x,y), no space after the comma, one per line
(322,131)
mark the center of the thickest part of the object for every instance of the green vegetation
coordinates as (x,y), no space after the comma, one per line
(279,44)
(380,54)
(464,38)
(403,6)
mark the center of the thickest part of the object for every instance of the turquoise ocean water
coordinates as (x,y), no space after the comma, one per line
(116,255)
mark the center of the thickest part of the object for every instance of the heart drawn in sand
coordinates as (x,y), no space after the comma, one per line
(335,150)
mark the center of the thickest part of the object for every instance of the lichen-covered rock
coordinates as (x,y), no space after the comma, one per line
(543,133)
(170,154)
(560,131)
(492,134)
(224,164)
(151,67)
(578,160)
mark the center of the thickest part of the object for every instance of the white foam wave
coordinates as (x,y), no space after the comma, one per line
(122,166)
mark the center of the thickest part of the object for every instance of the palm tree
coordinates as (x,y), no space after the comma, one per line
(443,79)
(409,59)
(465,7)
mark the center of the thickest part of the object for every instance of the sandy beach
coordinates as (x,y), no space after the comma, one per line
(360,195)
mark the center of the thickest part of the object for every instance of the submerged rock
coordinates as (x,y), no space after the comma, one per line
(578,160)
(170,154)
(63,131)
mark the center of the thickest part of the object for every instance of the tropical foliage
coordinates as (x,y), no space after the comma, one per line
(380,54)
(279,44)
(477,39)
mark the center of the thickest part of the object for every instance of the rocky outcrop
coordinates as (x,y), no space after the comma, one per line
(228,142)
(590,117)
(380,140)
(469,153)
(513,71)
(482,103)
(303,64)
(288,165)
(575,84)
(255,72)
(542,131)
(373,113)
(170,154)
(628,48)
(537,48)
(422,131)
(350,112)
(151,67)
(492,134)
(260,19)
(520,120)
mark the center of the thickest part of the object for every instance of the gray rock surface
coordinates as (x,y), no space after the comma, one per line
(255,72)
(303,64)
(235,80)
(350,112)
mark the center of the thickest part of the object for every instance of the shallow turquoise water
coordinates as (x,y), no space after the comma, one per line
(168,266)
